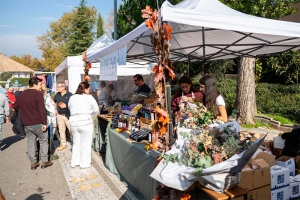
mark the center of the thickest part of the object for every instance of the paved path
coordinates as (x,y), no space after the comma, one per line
(60,181)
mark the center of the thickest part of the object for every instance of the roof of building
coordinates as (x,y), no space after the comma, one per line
(9,65)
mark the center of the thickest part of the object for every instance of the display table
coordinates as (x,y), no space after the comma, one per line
(132,162)
(99,142)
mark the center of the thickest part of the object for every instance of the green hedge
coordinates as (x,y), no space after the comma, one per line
(20,80)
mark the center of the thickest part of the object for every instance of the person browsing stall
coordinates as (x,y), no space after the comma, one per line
(61,100)
(33,115)
(81,123)
(104,94)
(186,89)
(212,99)
(143,90)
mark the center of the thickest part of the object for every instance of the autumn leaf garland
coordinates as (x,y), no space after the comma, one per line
(87,67)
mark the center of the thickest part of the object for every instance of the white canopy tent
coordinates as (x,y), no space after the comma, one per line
(71,72)
(208,30)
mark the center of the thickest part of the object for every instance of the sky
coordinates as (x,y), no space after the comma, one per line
(21,21)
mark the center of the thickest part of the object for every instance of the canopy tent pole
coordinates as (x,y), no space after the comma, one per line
(203,42)
(115,20)
(188,70)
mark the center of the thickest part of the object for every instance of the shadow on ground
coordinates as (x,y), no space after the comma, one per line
(6,142)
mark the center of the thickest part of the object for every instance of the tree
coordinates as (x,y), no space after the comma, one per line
(246,102)
(5,76)
(82,36)
(109,23)
(100,26)
(286,66)
(129,14)
(53,42)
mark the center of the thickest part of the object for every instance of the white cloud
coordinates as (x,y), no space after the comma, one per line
(3,25)
(19,44)
(47,18)
(64,6)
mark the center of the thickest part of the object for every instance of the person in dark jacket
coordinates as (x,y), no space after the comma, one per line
(33,115)
(292,142)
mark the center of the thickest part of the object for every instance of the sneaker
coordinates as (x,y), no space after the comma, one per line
(46,164)
(62,147)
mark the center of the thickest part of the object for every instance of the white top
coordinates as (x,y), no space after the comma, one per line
(82,109)
(220,101)
(49,104)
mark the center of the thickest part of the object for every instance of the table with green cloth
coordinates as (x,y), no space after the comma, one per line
(132,162)
(102,125)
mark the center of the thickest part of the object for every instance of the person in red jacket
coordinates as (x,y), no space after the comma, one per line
(186,89)
(31,106)
(11,100)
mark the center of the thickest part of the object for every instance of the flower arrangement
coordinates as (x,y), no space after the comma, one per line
(192,114)
(204,148)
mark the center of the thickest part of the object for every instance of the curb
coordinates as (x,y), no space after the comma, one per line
(274,124)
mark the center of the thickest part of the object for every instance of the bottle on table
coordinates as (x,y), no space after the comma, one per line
(120,122)
(125,123)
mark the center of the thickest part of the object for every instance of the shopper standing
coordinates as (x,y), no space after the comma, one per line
(4,112)
(61,100)
(30,104)
(81,123)
(11,100)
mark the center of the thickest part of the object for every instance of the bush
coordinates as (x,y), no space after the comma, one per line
(20,80)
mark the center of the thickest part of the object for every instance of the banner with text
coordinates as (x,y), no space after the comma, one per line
(108,67)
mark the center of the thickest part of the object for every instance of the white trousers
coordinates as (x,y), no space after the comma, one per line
(82,145)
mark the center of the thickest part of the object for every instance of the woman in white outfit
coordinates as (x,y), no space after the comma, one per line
(83,107)
(214,102)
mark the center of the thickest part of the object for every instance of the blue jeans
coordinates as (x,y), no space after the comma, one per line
(1,122)
(50,131)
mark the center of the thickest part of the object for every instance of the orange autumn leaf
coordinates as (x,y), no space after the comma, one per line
(167,31)
(154,16)
(166,120)
(171,74)
(153,146)
(158,77)
(89,66)
(185,196)
(162,112)
(163,130)
(84,57)
(146,13)
(149,24)
(155,69)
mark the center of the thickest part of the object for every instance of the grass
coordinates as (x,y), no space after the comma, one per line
(280,119)
(256,125)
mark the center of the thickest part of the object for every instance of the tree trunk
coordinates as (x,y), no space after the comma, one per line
(245,99)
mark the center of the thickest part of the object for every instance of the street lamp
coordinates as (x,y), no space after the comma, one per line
(115,19)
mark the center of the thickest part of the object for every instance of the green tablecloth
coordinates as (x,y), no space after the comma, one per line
(132,162)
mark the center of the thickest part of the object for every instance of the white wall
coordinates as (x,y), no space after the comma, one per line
(20,74)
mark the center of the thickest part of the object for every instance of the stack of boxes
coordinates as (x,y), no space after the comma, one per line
(267,178)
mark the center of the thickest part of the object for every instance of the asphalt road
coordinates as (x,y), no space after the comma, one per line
(18,181)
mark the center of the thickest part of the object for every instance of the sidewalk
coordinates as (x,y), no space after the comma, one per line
(60,181)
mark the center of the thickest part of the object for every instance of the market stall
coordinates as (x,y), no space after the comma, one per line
(202,30)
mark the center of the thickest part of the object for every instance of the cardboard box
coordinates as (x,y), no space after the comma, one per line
(281,193)
(260,193)
(269,144)
(294,189)
(278,142)
(257,172)
(279,177)
(277,152)
(287,162)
